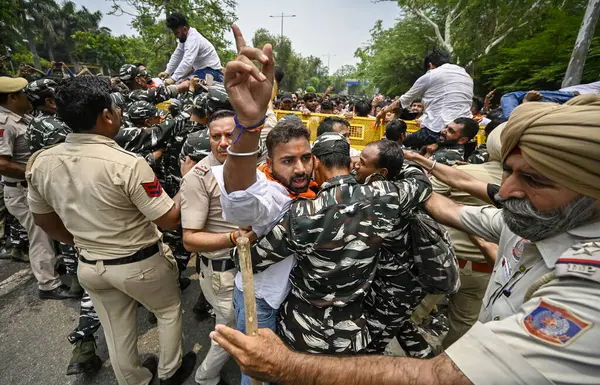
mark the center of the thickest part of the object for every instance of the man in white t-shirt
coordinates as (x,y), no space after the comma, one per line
(193,51)
(447,92)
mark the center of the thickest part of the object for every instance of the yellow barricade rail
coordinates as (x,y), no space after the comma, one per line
(362,130)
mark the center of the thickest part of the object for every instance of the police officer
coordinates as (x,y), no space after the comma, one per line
(113,224)
(450,146)
(14,153)
(137,83)
(206,232)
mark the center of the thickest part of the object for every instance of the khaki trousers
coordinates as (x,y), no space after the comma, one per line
(3,212)
(116,290)
(218,290)
(463,306)
(42,255)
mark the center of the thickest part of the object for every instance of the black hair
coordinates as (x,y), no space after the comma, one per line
(478,102)
(220,115)
(41,100)
(176,20)
(470,127)
(416,101)
(140,65)
(198,112)
(279,74)
(81,100)
(390,157)
(326,105)
(309,96)
(284,131)
(493,124)
(328,123)
(362,108)
(4,98)
(335,160)
(437,57)
(394,129)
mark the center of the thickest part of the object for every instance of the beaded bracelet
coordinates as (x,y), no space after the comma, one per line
(256,128)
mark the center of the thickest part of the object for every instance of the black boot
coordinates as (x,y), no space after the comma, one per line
(76,288)
(188,364)
(84,358)
(151,363)
(201,308)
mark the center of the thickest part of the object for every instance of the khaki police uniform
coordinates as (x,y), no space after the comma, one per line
(540,313)
(201,210)
(464,305)
(42,255)
(107,198)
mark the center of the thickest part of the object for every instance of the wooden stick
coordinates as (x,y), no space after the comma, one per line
(243,245)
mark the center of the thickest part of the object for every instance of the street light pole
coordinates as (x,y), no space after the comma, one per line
(282,16)
(329,55)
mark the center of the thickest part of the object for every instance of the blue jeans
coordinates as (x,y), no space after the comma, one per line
(202,72)
(421,138)
(265,315)
(512,100)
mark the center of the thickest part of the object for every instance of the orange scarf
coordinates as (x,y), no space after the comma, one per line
(309,194)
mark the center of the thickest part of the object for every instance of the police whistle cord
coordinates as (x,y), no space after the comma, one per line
(243,245)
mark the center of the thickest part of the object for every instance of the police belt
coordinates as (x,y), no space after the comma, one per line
(15,184)
(219,265)
(136,257)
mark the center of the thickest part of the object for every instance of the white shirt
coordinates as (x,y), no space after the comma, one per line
(447,93)
(196,52)
(262,205)
(583,89)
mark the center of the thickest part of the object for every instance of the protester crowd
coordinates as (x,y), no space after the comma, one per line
(494,249)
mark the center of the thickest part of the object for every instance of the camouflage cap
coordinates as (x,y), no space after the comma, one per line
(128,72)
(197,146)
(199,102)
(118,99)
(217,98)
(291,117)
(35,90)
(329,143)
(141,110)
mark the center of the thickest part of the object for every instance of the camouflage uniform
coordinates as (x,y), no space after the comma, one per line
(480,155)
(156,95)
(449,154)
(46,130)
(336,239)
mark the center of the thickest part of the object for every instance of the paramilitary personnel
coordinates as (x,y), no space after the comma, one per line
(121,264)
(450,146)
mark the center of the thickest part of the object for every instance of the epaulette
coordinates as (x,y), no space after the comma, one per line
(581,260)
(201,170)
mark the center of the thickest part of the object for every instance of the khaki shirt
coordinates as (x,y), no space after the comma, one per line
(490,172)
(201,203)
(12,139)
(550,338)
(106,197)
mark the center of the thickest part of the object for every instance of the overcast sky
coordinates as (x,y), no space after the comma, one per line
(321,27)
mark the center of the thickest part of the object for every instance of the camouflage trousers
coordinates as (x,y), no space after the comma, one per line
(389,307)
(323,330)
(88,320)
(69,256)
(16,235)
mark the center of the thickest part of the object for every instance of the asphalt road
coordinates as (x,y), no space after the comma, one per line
(34,349)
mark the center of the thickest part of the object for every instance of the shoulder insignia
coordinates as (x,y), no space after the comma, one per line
(153,189)
(201,170)
(2,133)
(554,324)
(581,260)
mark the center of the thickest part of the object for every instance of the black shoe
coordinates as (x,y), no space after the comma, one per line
(151,363)
(61,292)
(84,358)
(201,308)
(188,364)
(152,318)
(19,255)
(76,288)
(5,253)
(184,282)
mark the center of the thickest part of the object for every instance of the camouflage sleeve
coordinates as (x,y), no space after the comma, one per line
(272,247)
(448,157)
(414,188)
(134,139)
(479,157)
(56,136)
(155,95)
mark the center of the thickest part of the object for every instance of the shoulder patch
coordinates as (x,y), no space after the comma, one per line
(554,324)
(201,170)
(581,260)
(153,189)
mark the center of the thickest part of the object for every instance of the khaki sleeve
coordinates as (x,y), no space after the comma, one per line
(37,203)
(146,192)
(7,136)
(439,186)
(552,339)
(195,201)
(483,221)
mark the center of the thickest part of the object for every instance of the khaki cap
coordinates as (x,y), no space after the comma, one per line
(10,85)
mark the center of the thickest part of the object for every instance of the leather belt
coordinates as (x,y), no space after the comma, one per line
(15,184)
(136,257)
(219,265)
(480,267)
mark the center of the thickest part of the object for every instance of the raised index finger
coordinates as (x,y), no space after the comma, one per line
(240,43)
